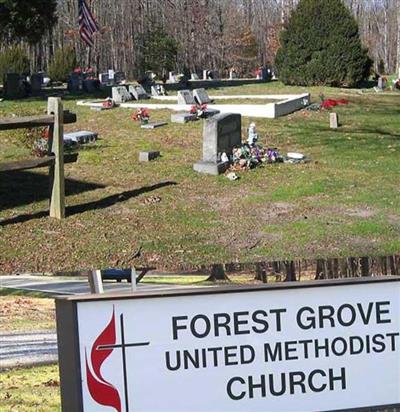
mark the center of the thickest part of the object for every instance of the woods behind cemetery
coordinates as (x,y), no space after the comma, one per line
(139,35)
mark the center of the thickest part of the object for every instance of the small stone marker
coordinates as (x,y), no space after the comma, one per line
(194,76)
(81,137)
(138,93)
(201,96)
(148,156)
(221,133)
(334,120)
(183,117)
(153,125)
(120,94)
(186,97)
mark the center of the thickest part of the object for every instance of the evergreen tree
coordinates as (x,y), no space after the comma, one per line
(62,65)
(321,46)
(26,19)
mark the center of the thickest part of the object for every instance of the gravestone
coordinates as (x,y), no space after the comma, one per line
(205,74)
(221,133)
(171,77)
(120,94)
(105,79)
(148,156)
(119,77)
(74,83)
(90,85)
(183,117)
(201,96)
(153,125)
(36,83)
(185,97)
(194,76)
(334,120)
(137,92)
(13,88)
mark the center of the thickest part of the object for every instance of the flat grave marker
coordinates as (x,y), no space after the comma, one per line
(153,125)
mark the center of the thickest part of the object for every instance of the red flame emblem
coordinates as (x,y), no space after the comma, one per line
(103,392)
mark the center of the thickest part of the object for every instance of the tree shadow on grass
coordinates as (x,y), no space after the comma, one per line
(94,205)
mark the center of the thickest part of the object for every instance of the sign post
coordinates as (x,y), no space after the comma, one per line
(310,346)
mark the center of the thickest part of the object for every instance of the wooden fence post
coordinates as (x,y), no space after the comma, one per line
(56,146)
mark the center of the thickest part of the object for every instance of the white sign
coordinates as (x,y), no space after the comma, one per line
(294,349)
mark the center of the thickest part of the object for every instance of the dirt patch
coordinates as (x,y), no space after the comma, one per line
(273,211)
(362,212)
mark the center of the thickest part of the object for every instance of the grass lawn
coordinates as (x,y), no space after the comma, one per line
(345,202)
(30,389)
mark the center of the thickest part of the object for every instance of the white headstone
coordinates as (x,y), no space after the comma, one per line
(194,76)
(185,97)
(120,94)
(201,96)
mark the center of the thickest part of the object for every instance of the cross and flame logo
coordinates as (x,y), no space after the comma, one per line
(102,391)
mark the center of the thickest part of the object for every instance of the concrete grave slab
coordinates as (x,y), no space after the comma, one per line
(183,118)
(286,104)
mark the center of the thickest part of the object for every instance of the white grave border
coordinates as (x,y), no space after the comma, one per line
(285,105)
(69,345)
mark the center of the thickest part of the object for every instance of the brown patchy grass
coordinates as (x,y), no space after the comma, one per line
(26,313)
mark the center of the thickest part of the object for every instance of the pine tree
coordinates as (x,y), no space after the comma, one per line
(321,46)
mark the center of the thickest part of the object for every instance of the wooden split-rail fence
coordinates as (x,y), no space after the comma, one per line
(55,159)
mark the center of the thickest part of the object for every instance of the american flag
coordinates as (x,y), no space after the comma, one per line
(87,24)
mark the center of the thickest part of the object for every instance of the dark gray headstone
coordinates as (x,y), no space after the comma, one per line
(221,133)
(90,85)
(75,83)
(13,88)
(105,78)
(36,83)
(119,77)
